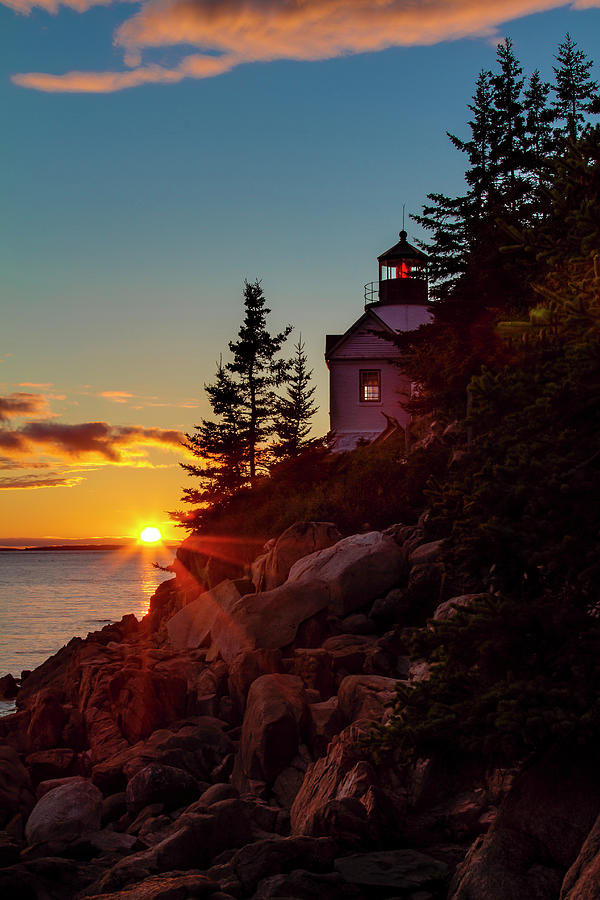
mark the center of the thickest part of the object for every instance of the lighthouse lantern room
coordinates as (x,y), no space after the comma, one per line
(367,388)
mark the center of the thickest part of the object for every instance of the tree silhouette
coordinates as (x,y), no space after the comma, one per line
(232,447)
(576,93)
(296,409)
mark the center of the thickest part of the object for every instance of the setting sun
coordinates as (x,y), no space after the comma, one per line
(150,535)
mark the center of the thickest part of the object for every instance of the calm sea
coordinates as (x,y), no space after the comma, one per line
(48,597)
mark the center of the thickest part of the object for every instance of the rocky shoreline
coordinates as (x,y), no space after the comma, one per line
(216,750)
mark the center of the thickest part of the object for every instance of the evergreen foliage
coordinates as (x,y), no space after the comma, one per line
(519,671)
(232,448)
(258,372)
(374,484)
(295,410)
(576,93)
(220,445)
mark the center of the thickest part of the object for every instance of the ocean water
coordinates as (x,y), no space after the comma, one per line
(47,597)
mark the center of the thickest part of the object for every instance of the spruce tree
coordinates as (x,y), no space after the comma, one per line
(539,142)
(230,447)
(576,93)
(508,125)
(447,218)
(258,372)
(219,445)
(296,409)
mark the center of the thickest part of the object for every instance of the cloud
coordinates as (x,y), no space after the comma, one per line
(6,463)
(41,385)
(22,404)
(230,32)
(11,483)
(116,396)
(52,6)
(96,440)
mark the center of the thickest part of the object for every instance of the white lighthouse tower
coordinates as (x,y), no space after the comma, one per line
(366,385)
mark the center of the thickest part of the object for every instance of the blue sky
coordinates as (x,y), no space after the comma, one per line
(131,217)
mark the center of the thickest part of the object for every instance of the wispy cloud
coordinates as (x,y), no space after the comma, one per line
(228,33)
(116,396)
(22,404)
(52,6)
(7,464)
(20,482)
(40,385)
(142,402)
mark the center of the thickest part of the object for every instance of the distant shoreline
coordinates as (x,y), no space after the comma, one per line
(68,548)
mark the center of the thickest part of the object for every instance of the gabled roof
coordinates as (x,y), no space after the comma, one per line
(334,341)
(402,250)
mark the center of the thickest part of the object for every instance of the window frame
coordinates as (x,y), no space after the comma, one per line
(362,385)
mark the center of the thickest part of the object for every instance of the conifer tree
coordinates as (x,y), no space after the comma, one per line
(576,93)
(219,445)
(258,372)
(447,218)
(508,125)
(296,409)
(539,142)
(243,399)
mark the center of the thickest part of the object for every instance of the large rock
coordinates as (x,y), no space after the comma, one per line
(401,871)
(274,722)
(157,783)
(342,578)
(146,700)
(297,541)
(16,790)
(582,881)
(48,718)
(356,570)
(168,886)
(245,668)
(197,746)
(426,553)
(538,833)
(269,620)
(65,814)
(303,885)
(365,697)
(202,561)
(192,625)
(344,776)
(275,855)
(8,687)
(46,764)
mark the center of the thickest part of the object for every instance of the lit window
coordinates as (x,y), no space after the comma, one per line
(370,385)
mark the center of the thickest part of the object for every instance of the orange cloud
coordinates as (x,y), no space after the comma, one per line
(231,32)
(106,82)
(88,439)
(116,396)
(22,404)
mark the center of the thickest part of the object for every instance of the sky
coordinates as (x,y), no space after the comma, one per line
(157,153)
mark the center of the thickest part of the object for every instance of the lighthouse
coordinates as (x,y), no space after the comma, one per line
(367,388)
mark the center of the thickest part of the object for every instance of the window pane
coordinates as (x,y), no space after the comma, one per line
(370,385)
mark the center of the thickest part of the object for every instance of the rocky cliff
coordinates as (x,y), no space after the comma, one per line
(217,749)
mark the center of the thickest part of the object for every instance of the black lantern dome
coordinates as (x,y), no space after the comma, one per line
(402,276)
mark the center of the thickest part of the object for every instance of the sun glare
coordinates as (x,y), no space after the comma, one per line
(150,535)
